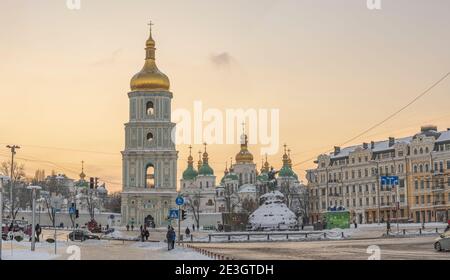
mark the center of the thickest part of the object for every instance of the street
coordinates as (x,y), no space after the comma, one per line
(417,248)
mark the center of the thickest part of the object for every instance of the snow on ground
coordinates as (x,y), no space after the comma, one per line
(159,249)
(28,255)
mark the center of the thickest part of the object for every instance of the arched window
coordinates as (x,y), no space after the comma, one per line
(427,167)
(421,168)
(415,151)
(149,137)
(150,177)
(150,108)
(421,151)
(415,168)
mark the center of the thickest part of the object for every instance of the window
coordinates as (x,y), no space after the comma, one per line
(416,184)
(150,177)
(427,150)
(374,200)
(149,137)
(422,185)
(415,151)
(353,188)
(360,188)
(421,151)
(448,164)
(367,188)
(417,200)
(360,202)
(421,168)
(415,168)
(150,108)
(354,202)
(367,201)
(427,168)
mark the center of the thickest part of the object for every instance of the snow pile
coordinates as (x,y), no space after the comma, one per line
(272,214)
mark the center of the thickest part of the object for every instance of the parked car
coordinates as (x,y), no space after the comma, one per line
(82,235)
(443,242)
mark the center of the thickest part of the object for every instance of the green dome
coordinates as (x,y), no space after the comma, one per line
(286,172)
(189,173)
(82,184)
(229,176)
(205,170)
(262,177)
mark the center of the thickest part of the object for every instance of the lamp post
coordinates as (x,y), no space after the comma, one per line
(33,228)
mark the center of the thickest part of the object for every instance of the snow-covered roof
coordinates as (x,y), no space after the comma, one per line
(379,146)
(445,136)
(247,188)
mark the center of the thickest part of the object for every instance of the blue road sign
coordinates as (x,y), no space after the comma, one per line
(173,214)
(72,210)
(179,201)
(389,180)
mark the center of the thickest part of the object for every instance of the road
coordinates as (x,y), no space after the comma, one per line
(390,249)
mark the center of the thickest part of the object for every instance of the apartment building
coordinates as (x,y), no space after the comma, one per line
(350,178)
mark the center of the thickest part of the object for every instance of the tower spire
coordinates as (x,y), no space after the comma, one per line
(82,175)
(200,163)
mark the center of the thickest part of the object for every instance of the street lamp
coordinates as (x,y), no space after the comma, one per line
(33,229)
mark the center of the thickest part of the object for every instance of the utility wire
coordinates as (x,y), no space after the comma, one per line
(387,118)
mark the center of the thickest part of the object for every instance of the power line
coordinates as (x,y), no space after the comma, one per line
(387,118)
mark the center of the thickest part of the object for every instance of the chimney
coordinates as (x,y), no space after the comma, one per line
(372,145)
(391,141)
(337,150)
(365,146)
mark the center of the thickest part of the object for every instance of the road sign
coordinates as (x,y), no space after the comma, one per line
(179,201)
(173,214)
(72,210)
(389,180)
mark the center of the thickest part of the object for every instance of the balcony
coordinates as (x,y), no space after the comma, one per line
(438,203)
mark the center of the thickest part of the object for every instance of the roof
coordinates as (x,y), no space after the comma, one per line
(444,137)
(247,188)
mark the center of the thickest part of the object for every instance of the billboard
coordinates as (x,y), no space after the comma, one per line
(337,219)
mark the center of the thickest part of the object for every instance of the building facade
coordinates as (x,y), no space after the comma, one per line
(149,160)
(350,178)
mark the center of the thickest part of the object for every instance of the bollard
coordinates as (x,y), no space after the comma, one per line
(229,237)
(287,236)
(192,238)
(209,237)
(436,230)
(248,237)
(268,237)
(306,235)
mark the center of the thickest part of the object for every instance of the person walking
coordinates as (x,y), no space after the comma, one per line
(168,238)
(187,231)
(142,234)
(173,237)
(128,227)
(388,227)
(147,234)
(448,226)
(38,231)
(193,227)
(132,227)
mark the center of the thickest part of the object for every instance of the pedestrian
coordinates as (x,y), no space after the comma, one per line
(132,227)
(356,224)
(193,227)
(188,232)
(140,228)
(388,227)
(147,234)
(128,227)
(142,234)
(168,237)
(38,231)
(173,237)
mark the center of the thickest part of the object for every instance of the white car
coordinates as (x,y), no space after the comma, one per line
(443,242)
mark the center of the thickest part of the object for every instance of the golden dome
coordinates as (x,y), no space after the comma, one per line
(244,156)
(150,78)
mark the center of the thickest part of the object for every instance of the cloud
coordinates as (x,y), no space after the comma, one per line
(109,60)
(222,60)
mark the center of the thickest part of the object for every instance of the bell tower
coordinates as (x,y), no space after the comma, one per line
(149,160)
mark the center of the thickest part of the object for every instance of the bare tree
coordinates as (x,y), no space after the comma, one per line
(92,201)
(193,204)
(113,202)
(19,195)
(249,205)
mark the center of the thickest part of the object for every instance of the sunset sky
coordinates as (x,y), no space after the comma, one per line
(332,68)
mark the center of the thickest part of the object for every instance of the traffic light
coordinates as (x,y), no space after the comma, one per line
(183,214)
(91,183)
(77,214)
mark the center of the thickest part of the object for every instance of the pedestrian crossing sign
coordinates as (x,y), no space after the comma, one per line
(173,214)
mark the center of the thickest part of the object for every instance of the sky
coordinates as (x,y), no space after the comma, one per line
(332,68)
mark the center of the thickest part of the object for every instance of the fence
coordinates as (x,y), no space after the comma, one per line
(266,236)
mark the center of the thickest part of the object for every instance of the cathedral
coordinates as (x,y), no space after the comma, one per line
(240,187)
(149,160)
